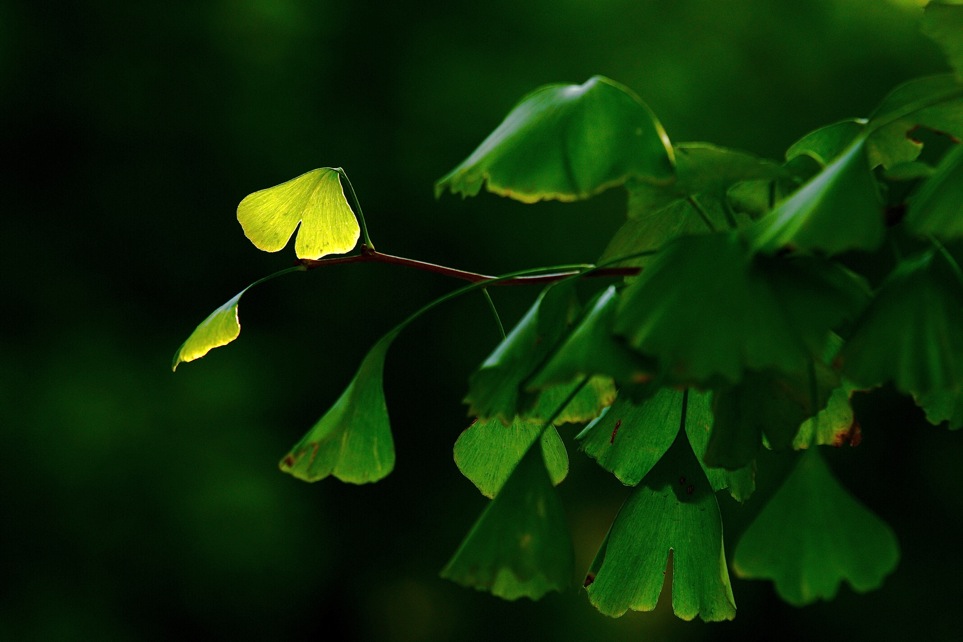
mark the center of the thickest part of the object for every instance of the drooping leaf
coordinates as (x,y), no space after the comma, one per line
(316,200)
(495,388)
(812,535)
(520,546)
(943,405)
(826,143)
(597,393)
(488,451)
(352,441)
(834,425)
(591,349)
(567,142)
(673,510)
(220,328)
(707,309)
(837,210)
(943,22)
(911,333)
(935,209)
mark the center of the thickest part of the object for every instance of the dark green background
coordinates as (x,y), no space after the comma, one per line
(138,504)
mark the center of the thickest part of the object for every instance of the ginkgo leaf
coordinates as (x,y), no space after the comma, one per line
(910,334)
(837,210)
(352,441)
(935,209)
(591,349)
(488,451)
(943,22)
(826,143)
(943,405)
(596,394)
(707,309)
(567,142)
(495,388)
(220,328)
(834,425)
(812,535)
(673,510)
(520,546)
(316,200)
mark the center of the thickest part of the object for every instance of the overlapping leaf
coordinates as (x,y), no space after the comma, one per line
(812,535)
(936,208)
(836,210)
(943,405)
(567,142)
(520,546)
(707,309)
(316,200)
(911,333)
(352,441)
(673,510)
(488,451)
(495,388)
(943,22)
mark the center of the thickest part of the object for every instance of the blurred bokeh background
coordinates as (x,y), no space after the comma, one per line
(142,505)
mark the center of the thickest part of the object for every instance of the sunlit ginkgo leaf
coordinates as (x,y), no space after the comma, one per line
(218,329)
(812,535)
(567,142)
(488,451)
(520,546)
(316,200)
(352,441)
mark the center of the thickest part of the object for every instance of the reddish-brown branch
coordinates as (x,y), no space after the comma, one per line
(369,255)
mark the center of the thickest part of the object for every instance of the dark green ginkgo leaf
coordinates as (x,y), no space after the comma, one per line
(596,394)
(943,405)
(673,511)
(838,209)
(316,200)
(495,389)
(935,209)
(488,451)
(707,309)
(826,143)
(812,535)
(352,441)
(943,22)
(520,546)
(911,333)
(567,142)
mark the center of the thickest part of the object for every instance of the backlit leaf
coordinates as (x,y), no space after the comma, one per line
(936,208)
(352,441)
(812,535)
(315,200)
(673,511)
(488,451)
(836,210)
(520,546)
(220,328)
(911,333)
(567,142)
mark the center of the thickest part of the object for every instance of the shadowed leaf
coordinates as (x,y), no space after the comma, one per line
(567,142)
(315,200)
(812,535)
(935,208)
(520,546)
(944,405)
(488,451)
(943,22)
(352,441)
(673,510)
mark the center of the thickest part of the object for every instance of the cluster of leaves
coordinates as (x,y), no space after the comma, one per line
(746,324)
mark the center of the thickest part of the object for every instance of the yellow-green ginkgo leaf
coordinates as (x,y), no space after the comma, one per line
(567,142)
(218,329)
(316,200)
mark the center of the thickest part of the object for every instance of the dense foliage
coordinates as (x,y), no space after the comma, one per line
(736,311)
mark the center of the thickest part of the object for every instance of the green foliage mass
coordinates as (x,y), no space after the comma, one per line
(736,316)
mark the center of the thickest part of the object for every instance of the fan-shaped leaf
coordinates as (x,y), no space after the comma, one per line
(220,328)
(837,210)
(315,200)
(520,546)
(911,333)
(567,142)
(707,309)
(597,393)
(488,451)
(352,441)
(936,209)
(674,510)
(944,405)
(812,535)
